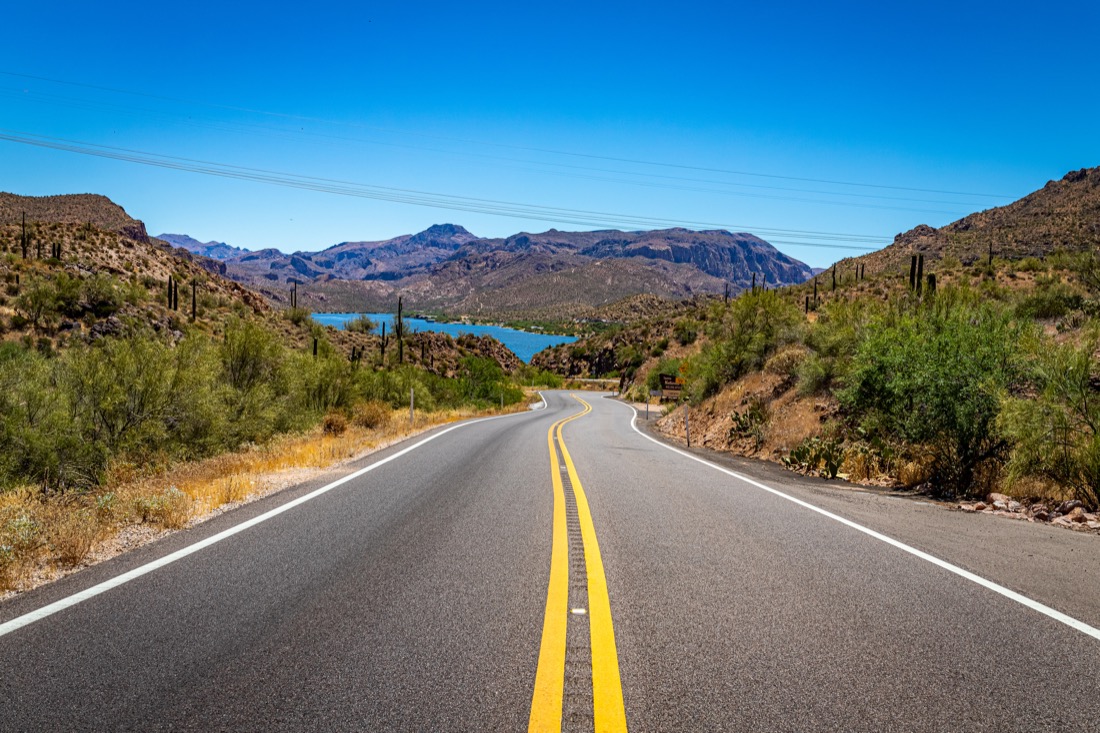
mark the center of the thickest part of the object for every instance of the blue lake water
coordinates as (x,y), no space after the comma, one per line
(522,343)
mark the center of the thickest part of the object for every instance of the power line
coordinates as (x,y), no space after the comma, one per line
(549,151)
(581,217)
(240,128)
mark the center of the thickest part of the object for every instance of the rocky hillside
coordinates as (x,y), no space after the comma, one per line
(81,282)
(84,208)
(1062,215)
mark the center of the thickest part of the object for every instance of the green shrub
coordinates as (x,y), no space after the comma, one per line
(102,296)
(1031,264)
(300,317)
(37,302)
(742,336)
(1050,299)
(936,378)
(668,367)
(529,376)
(686,330)
(360,324)
(1056,435)
(816,374)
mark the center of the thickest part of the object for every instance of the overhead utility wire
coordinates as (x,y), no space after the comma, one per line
(252,129)
(580,217)
(549,151)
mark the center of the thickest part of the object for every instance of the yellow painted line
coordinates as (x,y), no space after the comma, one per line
(546,701)
(609,711)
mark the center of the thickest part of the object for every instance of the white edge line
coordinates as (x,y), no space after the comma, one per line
(1010,594)
(48,610)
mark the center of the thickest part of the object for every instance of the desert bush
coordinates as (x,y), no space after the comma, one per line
(1051,299)
(102,296)
(360,324)
(686,330)
(72,535)
(300,317)
(170,508)
(816,374)
(37,302)
(669,367)
(1056,435)
(484,382)
(334,423)
(936,379)
(372,415)
(1031,264)
(530,376)
(786,361)
(743,335)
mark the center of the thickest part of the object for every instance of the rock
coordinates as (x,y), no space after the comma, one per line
(967,507)
(1068,506)
(1001,505)
(1015,506)
(1041,515)
(1077,515)
(109,327)
(995,497)
(980,506)
(1093,525)
(1062,522)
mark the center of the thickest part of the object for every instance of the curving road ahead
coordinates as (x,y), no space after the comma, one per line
(426,592)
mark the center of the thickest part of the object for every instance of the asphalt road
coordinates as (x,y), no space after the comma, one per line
(413,597)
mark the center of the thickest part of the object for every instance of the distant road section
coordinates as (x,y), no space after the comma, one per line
(417,596)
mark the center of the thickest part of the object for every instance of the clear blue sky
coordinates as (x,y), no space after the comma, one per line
(506,102)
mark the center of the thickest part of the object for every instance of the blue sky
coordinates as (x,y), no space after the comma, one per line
(645,112)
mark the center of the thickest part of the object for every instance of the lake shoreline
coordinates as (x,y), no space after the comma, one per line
(524,344)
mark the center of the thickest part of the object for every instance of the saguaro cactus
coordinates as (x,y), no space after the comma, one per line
(399,331)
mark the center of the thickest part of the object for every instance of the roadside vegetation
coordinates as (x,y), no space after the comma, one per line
(144,400)
(987,381)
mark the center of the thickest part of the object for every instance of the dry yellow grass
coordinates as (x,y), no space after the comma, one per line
(43,537)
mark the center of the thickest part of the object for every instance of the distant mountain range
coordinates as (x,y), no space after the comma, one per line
(213,250)
(568,274)
(446,268)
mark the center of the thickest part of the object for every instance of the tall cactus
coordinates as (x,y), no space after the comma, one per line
(399,331)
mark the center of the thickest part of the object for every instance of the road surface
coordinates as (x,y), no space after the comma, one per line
(536,571)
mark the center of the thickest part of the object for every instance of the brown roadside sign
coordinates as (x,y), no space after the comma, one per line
(671,386)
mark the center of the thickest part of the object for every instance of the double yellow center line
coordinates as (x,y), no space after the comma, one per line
(609,713)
